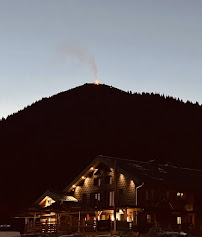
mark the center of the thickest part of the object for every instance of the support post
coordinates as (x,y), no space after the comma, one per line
(115,184)
(71,223)
(79,222)
(136,201)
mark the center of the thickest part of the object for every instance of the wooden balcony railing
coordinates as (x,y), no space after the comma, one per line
(58,227)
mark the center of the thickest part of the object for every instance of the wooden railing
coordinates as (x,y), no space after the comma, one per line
(67,227)
(58,227)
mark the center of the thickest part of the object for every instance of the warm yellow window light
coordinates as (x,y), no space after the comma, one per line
(179,220)
(121,211)
(180,194)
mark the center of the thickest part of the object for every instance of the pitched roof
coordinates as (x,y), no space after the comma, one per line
(57,196)
(150,172)
(69,207)
(161,174)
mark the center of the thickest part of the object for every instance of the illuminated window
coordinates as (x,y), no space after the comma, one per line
(149,219)
(108,180)
(180,195)
(179,220)
(97,196)
(112,217)
(111,198)
(97,182)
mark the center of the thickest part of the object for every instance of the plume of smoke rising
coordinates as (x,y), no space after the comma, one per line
(82,56)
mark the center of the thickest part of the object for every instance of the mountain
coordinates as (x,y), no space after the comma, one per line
(48,143)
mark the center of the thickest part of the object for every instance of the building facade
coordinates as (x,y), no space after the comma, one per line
(121,194)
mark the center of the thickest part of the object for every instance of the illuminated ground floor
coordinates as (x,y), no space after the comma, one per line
(80,220)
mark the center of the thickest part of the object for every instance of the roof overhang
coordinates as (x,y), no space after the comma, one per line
(108,161)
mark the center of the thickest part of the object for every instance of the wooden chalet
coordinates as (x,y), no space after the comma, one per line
(118,194)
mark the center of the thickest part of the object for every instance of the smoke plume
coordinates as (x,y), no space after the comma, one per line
(82,56)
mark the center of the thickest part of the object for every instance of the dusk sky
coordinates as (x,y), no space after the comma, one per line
(51,46)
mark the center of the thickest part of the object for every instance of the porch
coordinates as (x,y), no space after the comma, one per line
(66,223)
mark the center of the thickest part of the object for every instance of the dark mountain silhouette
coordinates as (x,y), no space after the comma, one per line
(48,143)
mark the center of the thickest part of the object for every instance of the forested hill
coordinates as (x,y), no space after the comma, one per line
(48,143)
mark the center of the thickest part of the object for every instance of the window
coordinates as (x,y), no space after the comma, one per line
(97,196)
(111,198)
(97,181)
(149,219)
(108,180)
(179,220)
(95,199)
(147,195)
(180,195)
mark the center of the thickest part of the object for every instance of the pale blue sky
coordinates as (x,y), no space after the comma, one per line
(48,46)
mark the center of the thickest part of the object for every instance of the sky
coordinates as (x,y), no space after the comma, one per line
(51,46)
